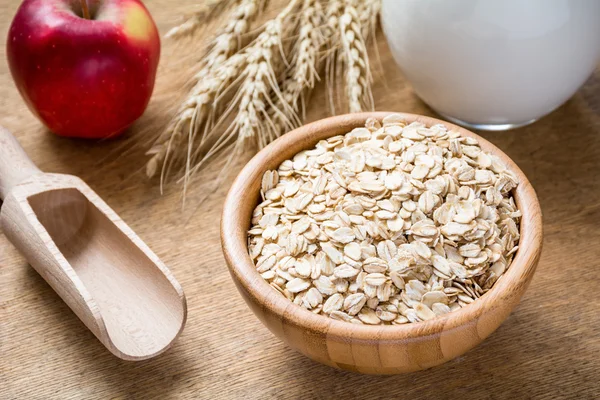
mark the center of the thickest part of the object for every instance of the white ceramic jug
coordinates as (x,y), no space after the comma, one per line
(494,64)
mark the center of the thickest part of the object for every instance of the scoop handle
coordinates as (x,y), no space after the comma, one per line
(15,165)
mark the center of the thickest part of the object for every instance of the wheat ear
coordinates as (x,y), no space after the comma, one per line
(369,16)
(218,71)
(290,108)
(333,12)
(196,109)
(356,62)
(265,61)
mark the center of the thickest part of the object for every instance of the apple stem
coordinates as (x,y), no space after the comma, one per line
(85,10)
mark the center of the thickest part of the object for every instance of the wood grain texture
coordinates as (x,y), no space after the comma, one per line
(362,348)
(547,348)
(15,166)
(110,279)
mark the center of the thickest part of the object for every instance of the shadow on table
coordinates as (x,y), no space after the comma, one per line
(126,379)
(590,92)
(503,366)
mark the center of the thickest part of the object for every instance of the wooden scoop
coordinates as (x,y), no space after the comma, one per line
(114,283)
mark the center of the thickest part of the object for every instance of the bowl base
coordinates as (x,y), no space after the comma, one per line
(486,127)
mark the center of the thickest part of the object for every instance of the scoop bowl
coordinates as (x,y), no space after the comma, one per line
(106,274)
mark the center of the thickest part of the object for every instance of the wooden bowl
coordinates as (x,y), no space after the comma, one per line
(362,348)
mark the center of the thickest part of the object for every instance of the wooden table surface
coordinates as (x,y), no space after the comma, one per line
(548,348)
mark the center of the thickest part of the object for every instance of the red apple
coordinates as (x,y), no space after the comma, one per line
(84,77)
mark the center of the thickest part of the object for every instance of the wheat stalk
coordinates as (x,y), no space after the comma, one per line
(368,12)
(356,61)
(216,73)
(254,93)
(210,9)
(265,60)
(301,77)
(229,41)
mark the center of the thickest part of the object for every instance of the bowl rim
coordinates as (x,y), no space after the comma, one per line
(235,223)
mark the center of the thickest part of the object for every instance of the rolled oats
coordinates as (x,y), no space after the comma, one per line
(388,224)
